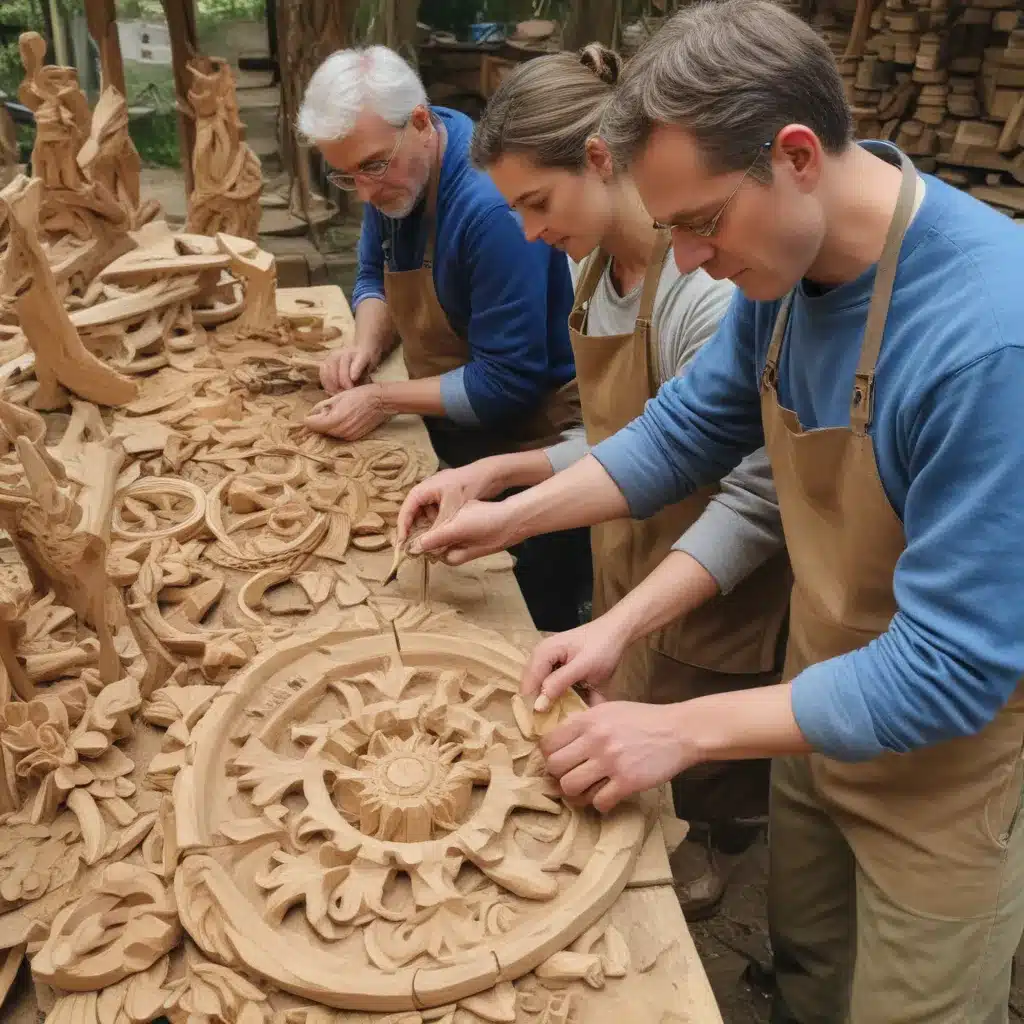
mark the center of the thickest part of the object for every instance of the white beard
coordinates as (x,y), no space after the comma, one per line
(401,210)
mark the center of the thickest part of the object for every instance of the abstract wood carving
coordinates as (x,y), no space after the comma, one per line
(75,209)
(9,155)
(227,177)
(109,158)
(62,535)
(61,360)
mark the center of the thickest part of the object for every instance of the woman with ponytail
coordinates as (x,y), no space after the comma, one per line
(693,600)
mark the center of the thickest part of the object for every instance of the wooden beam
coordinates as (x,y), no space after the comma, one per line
(60,39)
(181,23)
(101,17)
(592,21)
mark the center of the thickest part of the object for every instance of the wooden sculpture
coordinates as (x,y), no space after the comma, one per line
(60,357)
(63,537)
(109,158)
(226,194)
(259,272)
(9,154)
(74,207)
(409,774)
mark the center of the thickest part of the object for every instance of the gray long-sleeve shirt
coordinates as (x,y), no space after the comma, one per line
(740,528)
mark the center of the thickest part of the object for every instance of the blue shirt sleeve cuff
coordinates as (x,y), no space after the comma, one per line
(831,713)
(455,398)
(618,457)
(368,293)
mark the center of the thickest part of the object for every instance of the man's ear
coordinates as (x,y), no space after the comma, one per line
(420,118)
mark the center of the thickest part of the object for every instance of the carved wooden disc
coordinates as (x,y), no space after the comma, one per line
(366,823)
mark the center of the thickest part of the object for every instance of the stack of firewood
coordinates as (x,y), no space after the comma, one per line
(945,82)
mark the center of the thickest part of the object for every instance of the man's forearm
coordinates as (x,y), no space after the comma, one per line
(422,397)
(678,586)
(581,495)
(374,331)
(741,724)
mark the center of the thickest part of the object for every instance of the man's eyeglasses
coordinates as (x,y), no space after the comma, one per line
(373,170)
(708,228)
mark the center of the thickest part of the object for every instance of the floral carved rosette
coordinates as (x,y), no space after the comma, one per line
(379,802)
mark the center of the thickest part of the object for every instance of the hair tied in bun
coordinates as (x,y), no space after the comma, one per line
(601,61)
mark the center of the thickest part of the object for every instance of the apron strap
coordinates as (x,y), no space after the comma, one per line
(595,266)
(586,285)
(433,186)
(771,366)
(862,398)
(652,278)
(645,317)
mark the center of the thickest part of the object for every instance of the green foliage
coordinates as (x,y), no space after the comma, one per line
(211,13)
(15,16)
(156,138)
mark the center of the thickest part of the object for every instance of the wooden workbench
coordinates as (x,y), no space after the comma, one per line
(666,983)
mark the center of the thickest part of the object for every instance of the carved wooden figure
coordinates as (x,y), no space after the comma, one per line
(9,155)
(228,180)
(27,280)
(109,158)
(74,207)
(63,539)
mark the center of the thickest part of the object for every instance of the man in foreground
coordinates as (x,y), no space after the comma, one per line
(877,352)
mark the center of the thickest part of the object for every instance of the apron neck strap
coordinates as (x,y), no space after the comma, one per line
(771,365)
(862,399)
(587,283)
(652,279)
(595,267)
(433,185)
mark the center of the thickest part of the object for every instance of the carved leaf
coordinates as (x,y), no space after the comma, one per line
(268,775)
(303,880)
(122,925)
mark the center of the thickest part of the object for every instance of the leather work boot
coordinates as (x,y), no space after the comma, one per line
(704,862)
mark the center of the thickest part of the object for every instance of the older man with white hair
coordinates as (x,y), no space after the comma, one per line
(482,314)
(443,266)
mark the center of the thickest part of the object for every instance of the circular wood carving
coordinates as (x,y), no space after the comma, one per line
(379,802)
(153,508)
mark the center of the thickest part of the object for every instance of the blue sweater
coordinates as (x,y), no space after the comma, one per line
(509,298)
(948,437)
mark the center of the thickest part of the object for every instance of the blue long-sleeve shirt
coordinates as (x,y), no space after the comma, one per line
(948,437)
(508,297)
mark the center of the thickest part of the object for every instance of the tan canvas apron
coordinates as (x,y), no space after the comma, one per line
(731,636)
(432,348)
(929,825)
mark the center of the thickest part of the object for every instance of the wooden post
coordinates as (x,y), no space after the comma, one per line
(101,18)
(591,21)
(60,39)
(181,23)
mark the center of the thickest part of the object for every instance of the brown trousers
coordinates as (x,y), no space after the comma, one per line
(855,949)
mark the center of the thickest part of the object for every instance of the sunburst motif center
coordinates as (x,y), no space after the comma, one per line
(408,788)
(407,775)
